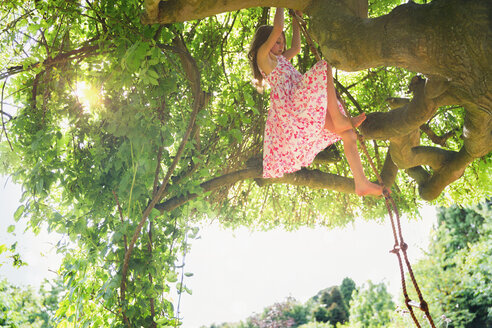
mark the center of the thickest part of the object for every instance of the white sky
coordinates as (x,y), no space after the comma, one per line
(239,273)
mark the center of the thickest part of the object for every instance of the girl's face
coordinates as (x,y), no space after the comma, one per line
(279,46)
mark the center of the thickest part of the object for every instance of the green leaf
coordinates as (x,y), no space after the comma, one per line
(18,213)
(11,228)
(169,84)
(168,139)
(33,28)
(172,277)
(135,55)
(153,74)
(153,81)
(237,135)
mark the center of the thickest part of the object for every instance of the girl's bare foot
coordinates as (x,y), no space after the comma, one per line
(347,124)
(369,189)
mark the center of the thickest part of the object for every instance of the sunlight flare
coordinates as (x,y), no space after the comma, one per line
(88,95)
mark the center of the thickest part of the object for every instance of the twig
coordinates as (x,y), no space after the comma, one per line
(349,95)
(182,280)
(152,306)
(1,111)
(121,217)
(369,74)
(222,45)
(157,170)
(440,140)
(82,52)
(7,114)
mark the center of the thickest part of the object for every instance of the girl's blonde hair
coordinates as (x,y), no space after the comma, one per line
(260,37)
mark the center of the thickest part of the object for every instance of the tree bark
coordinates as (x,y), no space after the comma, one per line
(308,178)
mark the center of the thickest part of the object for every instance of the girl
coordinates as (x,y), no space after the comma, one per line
(305,115)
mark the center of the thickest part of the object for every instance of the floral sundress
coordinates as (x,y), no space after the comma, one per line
(294,132)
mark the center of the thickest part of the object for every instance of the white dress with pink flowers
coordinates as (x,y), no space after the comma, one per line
(294,132)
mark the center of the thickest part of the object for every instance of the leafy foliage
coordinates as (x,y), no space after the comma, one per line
(331,307)
(371,307)
(455,275)
(96,112)
(347,288)
(23,307)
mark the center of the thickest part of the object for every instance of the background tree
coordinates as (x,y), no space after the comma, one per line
(457,269)
(347,288)
(332,307)
(285,314)
(24,307)
(316,325)
(125,135)
(371,307)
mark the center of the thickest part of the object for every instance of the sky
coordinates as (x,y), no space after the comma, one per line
(238,273)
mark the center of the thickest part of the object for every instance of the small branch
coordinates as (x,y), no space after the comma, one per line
(369,74)
(222,45)
(1,111)
(439,140)
(180,292)
(154,201)
(11,105)
(157,171)
(121,218)
(82,52)
(151,301)
(45,43)
(349,95)
(12,24)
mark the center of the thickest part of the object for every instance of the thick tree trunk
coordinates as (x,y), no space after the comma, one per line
(448,39)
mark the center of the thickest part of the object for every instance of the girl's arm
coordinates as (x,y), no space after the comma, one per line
(278,27)
(295,45)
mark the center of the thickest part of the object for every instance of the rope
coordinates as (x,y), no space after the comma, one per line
(399,245)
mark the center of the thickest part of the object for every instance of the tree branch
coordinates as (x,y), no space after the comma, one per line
(157,171)
(121,218)
(153,324)
(225,180)
(314,179)
(449,173)
(439,140)
(2,113)
(182,10)
(82,52)
(407,118)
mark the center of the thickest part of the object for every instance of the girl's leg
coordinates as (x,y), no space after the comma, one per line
(362,185)
(337,122)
